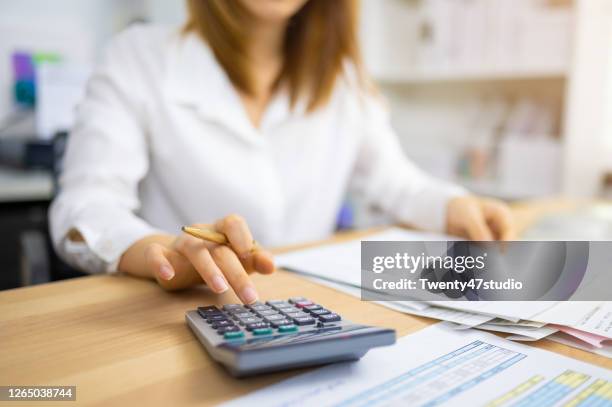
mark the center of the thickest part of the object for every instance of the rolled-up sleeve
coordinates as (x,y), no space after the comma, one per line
(106,158)
(387,179)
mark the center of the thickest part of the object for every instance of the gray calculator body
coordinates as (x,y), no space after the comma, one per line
(284,346)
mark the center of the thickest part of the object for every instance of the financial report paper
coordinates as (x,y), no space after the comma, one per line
(439,366)
(340,264)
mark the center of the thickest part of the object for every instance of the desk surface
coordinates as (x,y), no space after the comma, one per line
(123,341)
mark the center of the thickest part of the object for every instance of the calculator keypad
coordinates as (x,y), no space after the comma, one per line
(236,321)
(257,325)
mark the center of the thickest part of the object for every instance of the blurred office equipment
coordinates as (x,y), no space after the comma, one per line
(46,49)
(46,91)
(60,88)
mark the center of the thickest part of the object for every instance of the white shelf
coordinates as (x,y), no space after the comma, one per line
(19,185)
(467,75)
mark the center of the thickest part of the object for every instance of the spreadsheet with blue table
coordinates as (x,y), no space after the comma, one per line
(441,366)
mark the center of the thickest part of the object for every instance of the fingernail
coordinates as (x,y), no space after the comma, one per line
(166,272)
(249,295)
(219,284)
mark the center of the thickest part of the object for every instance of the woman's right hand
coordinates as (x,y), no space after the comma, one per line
(182,261)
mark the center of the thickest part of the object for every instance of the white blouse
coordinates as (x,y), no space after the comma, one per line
(163,140)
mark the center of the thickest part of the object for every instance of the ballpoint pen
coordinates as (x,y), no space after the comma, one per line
(211,235)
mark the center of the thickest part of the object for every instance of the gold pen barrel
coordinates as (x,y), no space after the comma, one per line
(211,235)
(206,234)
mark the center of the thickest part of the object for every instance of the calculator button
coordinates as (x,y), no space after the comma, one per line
(293,300)
(290,308)
(279,304)
(235,311)
(329,318)
(230,307)
(267,312)
(206,311)
(215,318)
(209,309)
(287,328)
(321,311)
(250,320)
(260,307)
(241,315)
(276,317)
(221,324)
(304,320)
(225,329)
(296,314)
(281,322)
(233,335)
(302,304)
(312,307)
(257,325)
(262,331)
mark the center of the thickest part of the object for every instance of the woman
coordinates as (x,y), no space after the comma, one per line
(255,118)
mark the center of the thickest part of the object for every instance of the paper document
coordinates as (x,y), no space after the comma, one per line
(465,319)
(510,310)
(520,333)
(442,366)
(523,322)
(588,316)
(569,340)
(339,266)
(592,339)
(341,262)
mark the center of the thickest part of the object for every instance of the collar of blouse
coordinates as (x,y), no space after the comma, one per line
(195,79)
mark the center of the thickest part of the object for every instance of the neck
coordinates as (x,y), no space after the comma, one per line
(266,40)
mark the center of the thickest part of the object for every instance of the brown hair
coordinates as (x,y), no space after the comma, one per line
(321,37)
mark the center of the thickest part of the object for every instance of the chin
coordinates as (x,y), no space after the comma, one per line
(273,10)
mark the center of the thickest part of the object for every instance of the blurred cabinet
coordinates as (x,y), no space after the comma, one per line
(17,218)
(472,83)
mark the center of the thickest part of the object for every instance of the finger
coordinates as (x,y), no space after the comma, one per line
(199,256)
(477,228)
(260,261)
(263,262)
(157,262)
(228,262)
(238,234)
(500,219)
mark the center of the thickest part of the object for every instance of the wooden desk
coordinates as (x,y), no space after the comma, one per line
(123,341)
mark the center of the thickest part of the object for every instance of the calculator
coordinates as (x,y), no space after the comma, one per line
(281,334)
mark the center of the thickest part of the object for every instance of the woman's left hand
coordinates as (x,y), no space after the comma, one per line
(479,218)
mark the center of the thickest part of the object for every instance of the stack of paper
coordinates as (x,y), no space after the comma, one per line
(585,325)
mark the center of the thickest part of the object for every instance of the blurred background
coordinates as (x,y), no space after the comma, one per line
(511,98)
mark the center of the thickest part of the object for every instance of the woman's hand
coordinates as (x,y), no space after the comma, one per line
(183,261)
(478,218)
